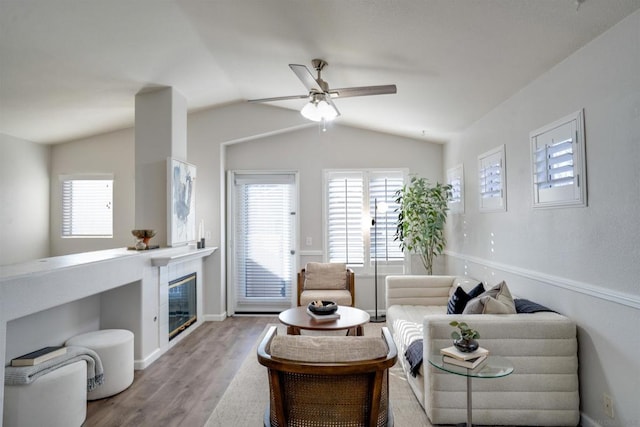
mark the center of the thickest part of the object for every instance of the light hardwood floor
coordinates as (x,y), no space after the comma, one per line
(183,386)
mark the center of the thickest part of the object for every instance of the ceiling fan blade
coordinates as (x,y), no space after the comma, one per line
(306,77)
(279,98)
(346,92)
(330,101)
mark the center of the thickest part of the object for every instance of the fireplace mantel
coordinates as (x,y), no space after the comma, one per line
(181,256)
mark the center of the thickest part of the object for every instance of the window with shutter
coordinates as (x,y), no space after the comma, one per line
(350,205)
(558,163)
(345,218)
(492,180)
(455,178)
(87,206)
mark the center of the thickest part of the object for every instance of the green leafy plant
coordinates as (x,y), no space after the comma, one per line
(466,333)
(422,214)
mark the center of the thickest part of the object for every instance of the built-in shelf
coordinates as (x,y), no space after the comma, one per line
(182,256)
(122,278)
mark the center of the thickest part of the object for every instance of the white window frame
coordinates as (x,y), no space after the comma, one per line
(455,178)
(559,146)
(367,267)
(67,233)
(492,180)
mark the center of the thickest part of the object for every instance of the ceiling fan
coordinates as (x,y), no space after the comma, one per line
(321,106)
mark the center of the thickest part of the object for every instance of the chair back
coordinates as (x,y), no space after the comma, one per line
(328,380)
(331,269)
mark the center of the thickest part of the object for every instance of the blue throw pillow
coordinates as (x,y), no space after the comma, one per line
(460,298)
(526,306)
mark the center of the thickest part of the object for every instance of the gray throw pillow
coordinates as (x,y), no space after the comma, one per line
(497,300)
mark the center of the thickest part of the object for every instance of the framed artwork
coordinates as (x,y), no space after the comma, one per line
(181,186)
(455,178)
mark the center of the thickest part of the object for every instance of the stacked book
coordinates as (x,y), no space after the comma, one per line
(323,317)
(470,360)
(38,356)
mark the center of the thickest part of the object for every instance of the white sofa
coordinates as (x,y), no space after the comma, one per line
(542,391)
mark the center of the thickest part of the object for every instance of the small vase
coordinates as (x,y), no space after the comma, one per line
(466,346)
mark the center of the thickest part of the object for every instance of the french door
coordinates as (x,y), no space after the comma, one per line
(262,232)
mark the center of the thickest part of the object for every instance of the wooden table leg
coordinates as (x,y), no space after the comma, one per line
(292,330)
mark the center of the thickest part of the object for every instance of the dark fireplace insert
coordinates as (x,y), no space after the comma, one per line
(182,304)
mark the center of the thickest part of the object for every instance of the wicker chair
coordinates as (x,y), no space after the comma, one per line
(326,281)
(327,380)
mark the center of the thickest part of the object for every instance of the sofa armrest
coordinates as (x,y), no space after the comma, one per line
(543,389)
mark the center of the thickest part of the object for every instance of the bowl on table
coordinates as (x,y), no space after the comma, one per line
(322,307)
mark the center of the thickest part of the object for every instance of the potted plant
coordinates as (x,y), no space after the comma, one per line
(422,213)
(464,339)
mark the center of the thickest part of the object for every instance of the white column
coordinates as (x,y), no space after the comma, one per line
(160,132)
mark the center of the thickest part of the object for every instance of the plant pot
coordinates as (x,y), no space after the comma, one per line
(466,346)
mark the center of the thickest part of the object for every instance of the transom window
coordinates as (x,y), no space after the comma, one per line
(87,206)
(350,207)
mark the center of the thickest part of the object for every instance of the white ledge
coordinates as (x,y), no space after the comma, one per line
(181,256)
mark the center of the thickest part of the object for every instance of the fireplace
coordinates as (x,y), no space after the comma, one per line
(182,304)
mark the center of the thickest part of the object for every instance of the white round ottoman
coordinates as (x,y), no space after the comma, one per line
(57,399)
(115,348)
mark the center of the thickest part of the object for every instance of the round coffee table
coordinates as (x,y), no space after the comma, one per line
(351,318)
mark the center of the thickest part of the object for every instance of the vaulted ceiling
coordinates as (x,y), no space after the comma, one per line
(70,69)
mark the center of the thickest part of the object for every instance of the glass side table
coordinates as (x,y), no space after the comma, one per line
(493,367)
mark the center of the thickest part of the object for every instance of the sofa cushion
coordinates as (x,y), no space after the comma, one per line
(339,296)
(319,275)
(497,300)
(460,298)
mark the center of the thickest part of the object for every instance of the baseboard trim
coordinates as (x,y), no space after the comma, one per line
(215,317)
(586,421)
(144,363)
(560,282)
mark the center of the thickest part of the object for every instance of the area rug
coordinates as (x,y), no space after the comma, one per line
(245,400)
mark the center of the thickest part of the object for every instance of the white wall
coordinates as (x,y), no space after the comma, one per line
(107,153)
(52,327)
(24,200)
(309,151)
(208,132)
(583,262)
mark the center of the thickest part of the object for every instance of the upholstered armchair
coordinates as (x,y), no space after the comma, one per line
(328,380)
(327,282)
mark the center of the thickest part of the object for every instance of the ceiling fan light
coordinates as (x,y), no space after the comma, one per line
(310,111)
(327,112)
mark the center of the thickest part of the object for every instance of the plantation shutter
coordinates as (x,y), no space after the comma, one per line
(87,207)
(264,214)
(382,189)
(344,220)
(492,180)
(554,165)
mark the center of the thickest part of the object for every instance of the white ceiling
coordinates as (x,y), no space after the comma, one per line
(70,69)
